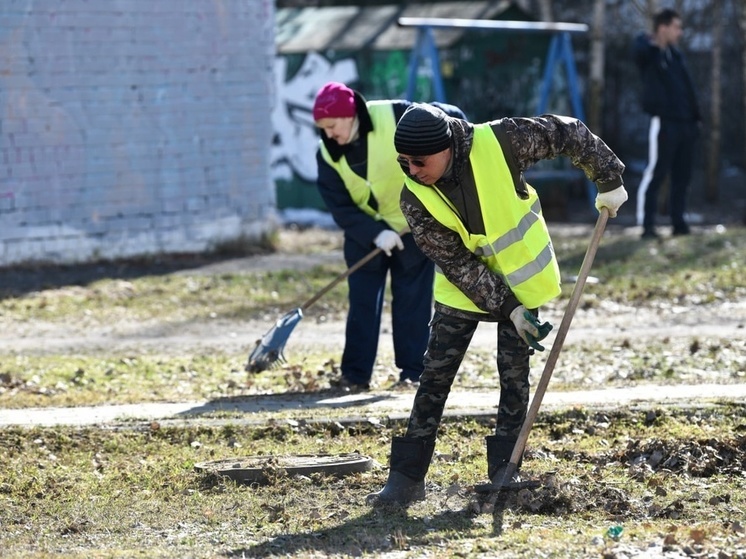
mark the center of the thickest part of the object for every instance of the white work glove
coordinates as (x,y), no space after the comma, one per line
(523,325)
(387,240)
(611,200)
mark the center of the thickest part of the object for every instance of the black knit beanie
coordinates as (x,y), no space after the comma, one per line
(422,130)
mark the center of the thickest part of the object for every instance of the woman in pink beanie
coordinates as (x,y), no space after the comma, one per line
(360,182)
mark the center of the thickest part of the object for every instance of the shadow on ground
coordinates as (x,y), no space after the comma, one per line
(289,401)
(18,280)
(351,538)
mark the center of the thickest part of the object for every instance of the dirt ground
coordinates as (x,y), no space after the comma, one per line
(603,321)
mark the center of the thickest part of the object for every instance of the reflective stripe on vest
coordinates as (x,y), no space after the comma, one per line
(385,177)
(516,245)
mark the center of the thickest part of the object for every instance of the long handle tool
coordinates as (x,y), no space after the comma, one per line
(270,348)
(520,445)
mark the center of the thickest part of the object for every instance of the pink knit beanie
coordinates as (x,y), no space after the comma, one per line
(334,100)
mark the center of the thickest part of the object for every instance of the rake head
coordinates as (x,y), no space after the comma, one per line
(269,350)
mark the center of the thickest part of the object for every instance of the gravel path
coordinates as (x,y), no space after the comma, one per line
(369,406)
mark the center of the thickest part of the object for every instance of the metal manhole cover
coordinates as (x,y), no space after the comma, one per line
(255,469)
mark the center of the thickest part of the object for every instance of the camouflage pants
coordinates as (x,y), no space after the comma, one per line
(449,340)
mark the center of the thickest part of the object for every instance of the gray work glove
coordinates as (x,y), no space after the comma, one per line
(522,324)
(387,240)
(542,329)
(613,199)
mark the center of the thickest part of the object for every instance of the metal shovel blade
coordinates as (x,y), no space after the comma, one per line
(505,482)
(269,349)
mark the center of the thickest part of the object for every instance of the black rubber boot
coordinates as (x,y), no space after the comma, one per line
(410,459)
(499,450)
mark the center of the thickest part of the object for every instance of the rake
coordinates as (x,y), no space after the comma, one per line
(269,350)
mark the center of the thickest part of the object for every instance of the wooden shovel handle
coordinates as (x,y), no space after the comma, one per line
(577,291)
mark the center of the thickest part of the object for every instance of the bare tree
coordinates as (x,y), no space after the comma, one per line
(545,10)
(713,155)
(597,66)
(646,7)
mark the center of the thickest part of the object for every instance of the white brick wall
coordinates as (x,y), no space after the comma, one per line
(133,127)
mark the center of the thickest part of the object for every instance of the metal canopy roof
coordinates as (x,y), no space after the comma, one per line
(351,28)
(521,26)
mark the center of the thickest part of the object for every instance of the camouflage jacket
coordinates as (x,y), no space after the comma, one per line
(524,142)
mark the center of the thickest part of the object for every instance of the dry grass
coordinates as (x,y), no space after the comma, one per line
(613,484)
(670,479)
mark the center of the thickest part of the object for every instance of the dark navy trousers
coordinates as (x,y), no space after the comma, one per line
(411,309)
(670,153)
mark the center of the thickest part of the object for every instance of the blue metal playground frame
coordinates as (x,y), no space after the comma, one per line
(560,52)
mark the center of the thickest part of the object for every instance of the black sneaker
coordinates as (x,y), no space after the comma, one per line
(405,384)
(650,235)
(681,230)
(346,385)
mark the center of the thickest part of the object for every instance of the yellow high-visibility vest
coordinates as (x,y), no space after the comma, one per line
(516,244)
(385,177)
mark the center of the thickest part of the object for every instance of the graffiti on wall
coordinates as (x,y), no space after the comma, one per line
(388,76)
(295,137)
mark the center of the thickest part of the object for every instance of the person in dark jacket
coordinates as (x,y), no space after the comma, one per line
(669,97)
(471,212)
(360,183)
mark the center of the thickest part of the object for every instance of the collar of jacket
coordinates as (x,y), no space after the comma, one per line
(366,126)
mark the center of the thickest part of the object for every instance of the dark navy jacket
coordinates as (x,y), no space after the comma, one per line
(667,87)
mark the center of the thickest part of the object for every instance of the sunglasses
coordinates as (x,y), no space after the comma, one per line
(404,162)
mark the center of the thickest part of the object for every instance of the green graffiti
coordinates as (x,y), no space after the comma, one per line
(388,74)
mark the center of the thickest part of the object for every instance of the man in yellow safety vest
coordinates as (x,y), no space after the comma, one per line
(472,213)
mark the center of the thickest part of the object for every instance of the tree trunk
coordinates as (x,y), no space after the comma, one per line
(713,155)
(647,10)
(545,10)
(742,21)
(595,105)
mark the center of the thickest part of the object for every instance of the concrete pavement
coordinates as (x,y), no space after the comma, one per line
(375,404)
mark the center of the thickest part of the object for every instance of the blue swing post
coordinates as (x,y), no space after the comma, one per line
(560,52)
(426,49)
